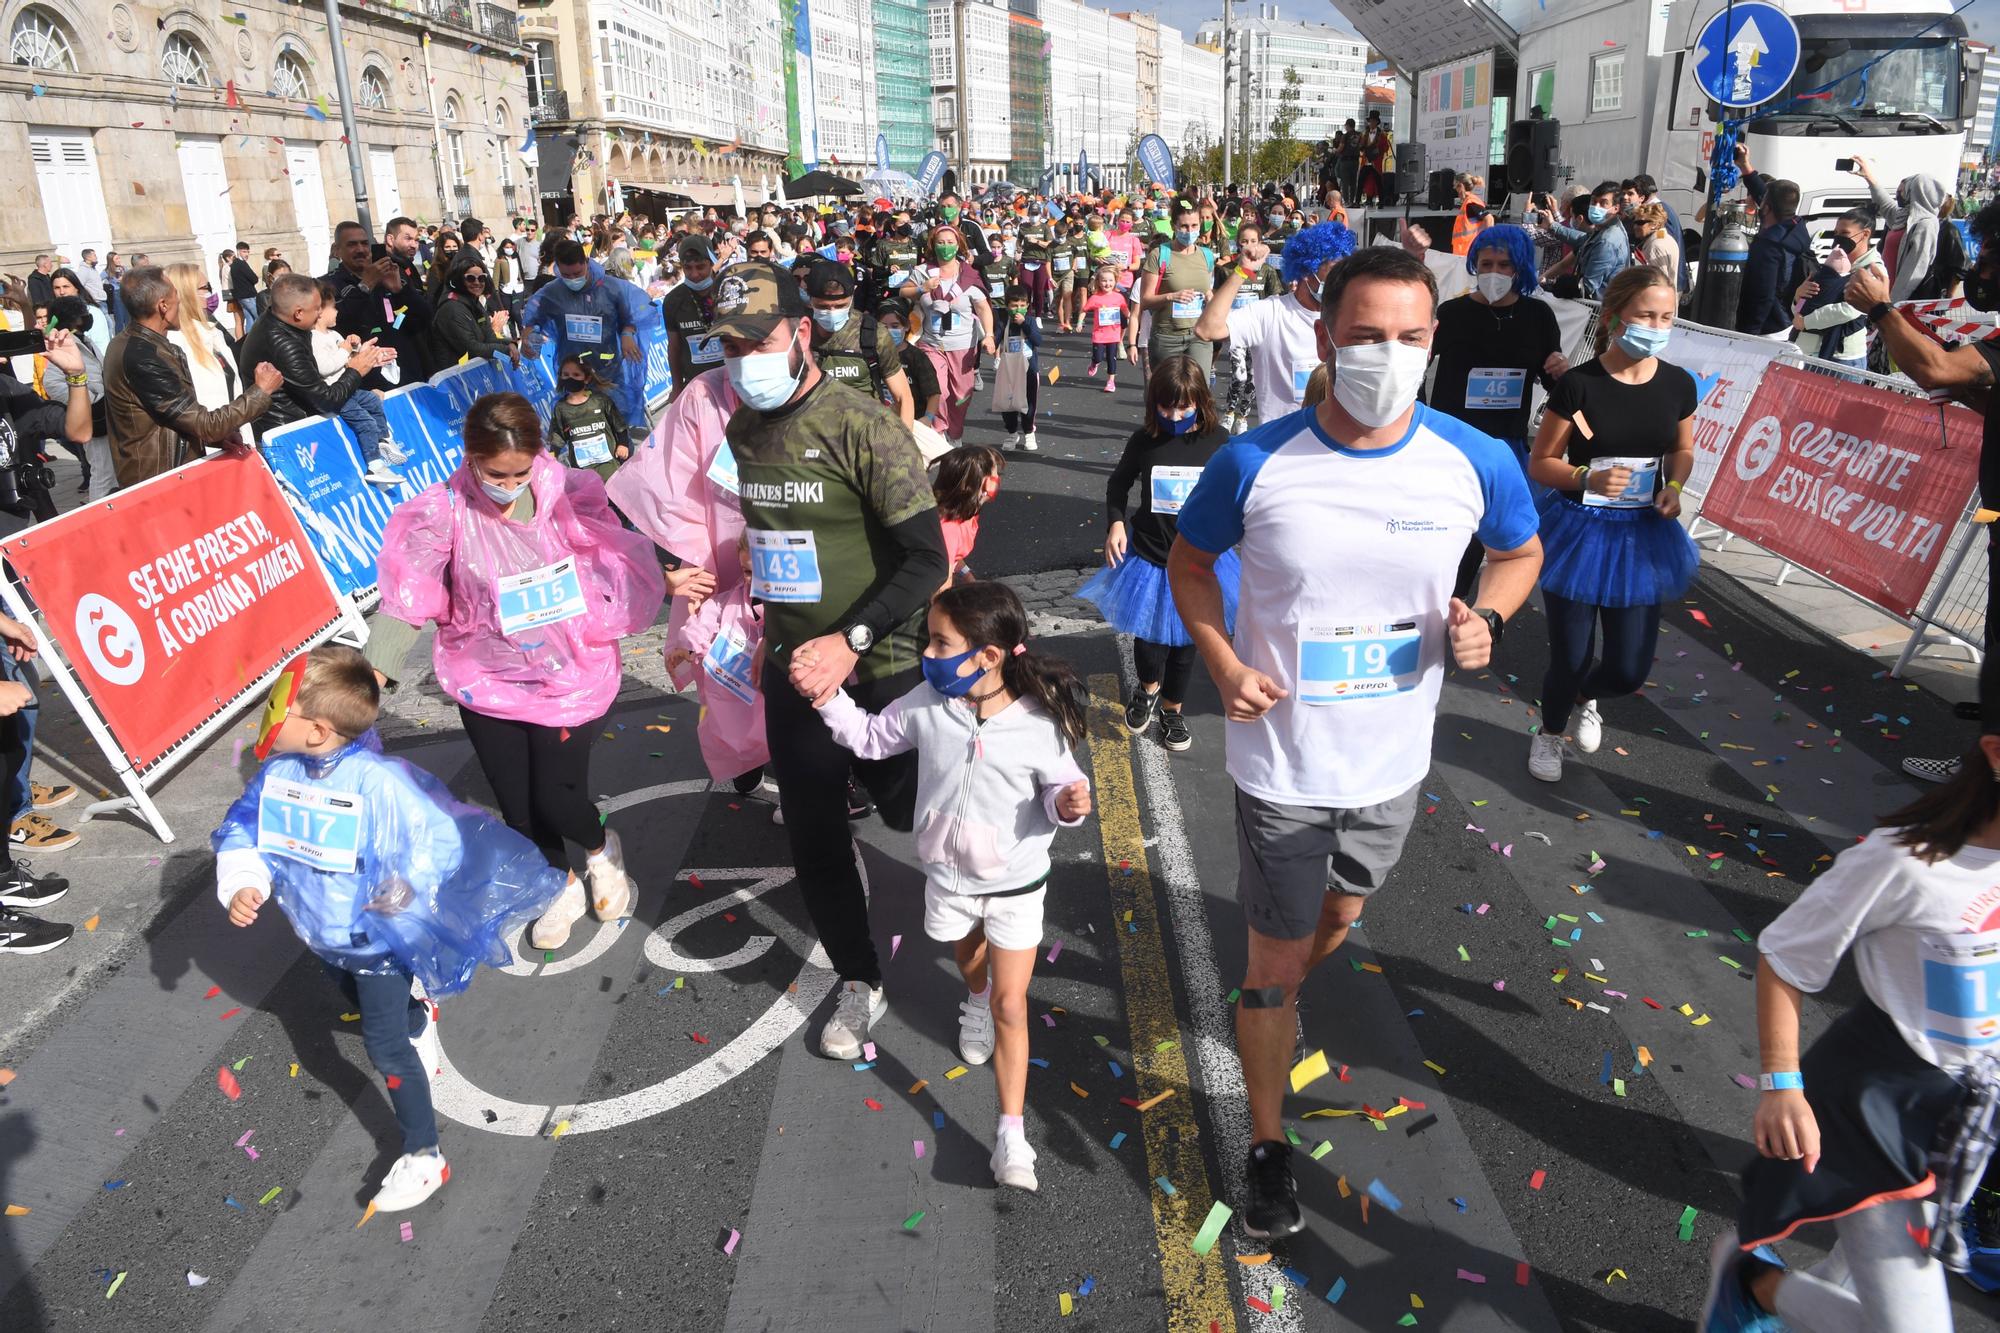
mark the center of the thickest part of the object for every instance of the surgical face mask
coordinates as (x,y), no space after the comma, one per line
(1598,213)
(703,285)
(211,303)
(1844,244)
(1376,382)
(765,380)
(1643,340)
(832,320)
(896,335)
(1493,286)
(1019,313)
(577,284)
(946,252)
(942,673)
(1174,425)
(1186,236)
(948,213)
(501,495)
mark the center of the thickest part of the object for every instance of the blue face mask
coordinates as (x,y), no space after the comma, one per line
(577,284)
(832,320)
(942,673)
(897,335)
(1598,214)
(701,286)
(1180,426)
(1641,341)
(765,380)
(1186,236)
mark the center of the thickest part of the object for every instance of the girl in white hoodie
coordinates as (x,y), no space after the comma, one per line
(992,726)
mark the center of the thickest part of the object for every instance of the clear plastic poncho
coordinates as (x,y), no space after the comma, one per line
(529,614)
(379,867)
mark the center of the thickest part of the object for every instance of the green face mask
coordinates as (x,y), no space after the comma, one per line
(946,252)
(950,213)
(1018,311)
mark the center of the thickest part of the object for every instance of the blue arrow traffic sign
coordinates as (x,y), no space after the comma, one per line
(1746,54)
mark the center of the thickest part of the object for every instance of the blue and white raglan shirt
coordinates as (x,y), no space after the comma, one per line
(1349,556)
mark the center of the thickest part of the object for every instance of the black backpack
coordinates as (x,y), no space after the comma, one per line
(1949,266)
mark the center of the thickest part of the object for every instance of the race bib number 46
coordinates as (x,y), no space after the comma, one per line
(319,827)
(539,597)
(784,566)
(1495,388)
(1341,662)
(1961,988)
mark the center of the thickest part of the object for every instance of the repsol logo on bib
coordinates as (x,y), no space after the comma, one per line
(785,493)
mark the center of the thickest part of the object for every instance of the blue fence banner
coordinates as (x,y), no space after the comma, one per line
(930,171)
(659,377)
(1157,160)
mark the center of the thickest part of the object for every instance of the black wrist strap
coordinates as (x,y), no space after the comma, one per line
(1880,311)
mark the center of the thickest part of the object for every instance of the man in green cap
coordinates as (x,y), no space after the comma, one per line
(845,553)
(855,350)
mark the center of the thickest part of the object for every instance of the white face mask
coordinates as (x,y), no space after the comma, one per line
(502,495)
(1493,286)
(1376,382)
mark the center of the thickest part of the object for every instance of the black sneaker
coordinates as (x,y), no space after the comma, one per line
(1272,1208)
(22,887)
(1174,733)
(1139,712)
(21,933)
(1931,770)
(858,804)
(745,783)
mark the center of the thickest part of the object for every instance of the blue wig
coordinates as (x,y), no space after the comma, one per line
(1517,245)
(1305,252)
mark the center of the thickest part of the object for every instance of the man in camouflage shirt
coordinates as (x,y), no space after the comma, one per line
(845,553)
(854,348)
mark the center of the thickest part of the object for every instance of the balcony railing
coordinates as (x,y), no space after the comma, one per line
(493,22)
(553,106)
(499,24)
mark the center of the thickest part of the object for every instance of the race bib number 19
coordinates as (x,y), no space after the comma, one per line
(1961,988)
(1341,662)
(539,597)
(784,566)
(313,825)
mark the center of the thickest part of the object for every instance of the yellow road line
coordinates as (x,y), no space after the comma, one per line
(1197,1287)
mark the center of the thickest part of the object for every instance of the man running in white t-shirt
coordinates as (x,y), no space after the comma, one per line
(1350,520)
(1278,335)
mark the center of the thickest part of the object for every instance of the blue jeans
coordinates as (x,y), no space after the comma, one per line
(363,414)
(390,1016)
(1631,633)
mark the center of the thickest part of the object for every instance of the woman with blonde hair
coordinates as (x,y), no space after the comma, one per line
(1653,242)
(211,362)
(1615,446)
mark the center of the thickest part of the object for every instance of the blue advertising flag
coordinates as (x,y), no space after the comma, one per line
(881,152)
(1082,169)
(930,171)
(1157,160)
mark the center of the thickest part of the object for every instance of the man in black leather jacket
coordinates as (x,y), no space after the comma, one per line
(381,297)
(282,336)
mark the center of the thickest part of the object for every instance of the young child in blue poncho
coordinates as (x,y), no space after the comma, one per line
(401,890)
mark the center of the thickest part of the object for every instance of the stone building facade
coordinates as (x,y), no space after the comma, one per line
(177,129)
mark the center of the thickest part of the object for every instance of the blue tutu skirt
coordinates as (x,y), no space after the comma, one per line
(1134,596)
(1614,557)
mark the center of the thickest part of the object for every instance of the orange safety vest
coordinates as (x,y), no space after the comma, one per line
(1463,228)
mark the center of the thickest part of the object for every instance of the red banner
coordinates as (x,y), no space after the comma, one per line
(170,600)
(1856,483)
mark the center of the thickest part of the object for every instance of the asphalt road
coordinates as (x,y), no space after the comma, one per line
(643,1136)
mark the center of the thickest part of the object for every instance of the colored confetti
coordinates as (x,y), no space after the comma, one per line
(227,1082)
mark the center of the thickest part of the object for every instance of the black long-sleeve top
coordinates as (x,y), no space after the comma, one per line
(1151,532)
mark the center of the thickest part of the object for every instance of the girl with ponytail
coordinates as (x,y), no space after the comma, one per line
(992,726)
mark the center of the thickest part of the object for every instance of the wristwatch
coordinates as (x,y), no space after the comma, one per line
(1880,311)
(1492,619)
(859,639)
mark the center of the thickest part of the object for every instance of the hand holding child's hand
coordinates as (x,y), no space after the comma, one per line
(1073,801)
(243,907)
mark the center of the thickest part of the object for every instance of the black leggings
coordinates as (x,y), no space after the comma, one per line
(1024,421)
(1631,633)
(1171,667)
(812,771)
(541,778)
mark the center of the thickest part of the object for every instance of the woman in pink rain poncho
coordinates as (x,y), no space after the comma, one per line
(680,490)
(532,583)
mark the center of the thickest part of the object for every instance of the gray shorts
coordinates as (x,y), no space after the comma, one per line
(1291,856)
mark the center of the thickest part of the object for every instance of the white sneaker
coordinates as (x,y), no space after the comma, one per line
(1545,757)
(975,1030)
(379,473)
(1242,425)
(1589,727)
(1013,440)
(412,1178)
(551,930)
(1030,443)
(430,1055)
(612,895)
(395,455)
(856,1011)
(1014,1162)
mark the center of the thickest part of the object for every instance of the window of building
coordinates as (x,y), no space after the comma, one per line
(454,138)
(41,42)
(374,89)
(543,78)
(289,79)
(505,146)
(1607,83)
(183,61)
(1542,89)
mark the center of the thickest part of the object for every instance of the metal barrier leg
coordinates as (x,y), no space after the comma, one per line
(1926,614)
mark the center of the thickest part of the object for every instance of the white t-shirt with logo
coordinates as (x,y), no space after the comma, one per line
(1278,335)
(1926,941)
(1349,557)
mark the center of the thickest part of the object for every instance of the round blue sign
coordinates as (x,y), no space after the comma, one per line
(1746,54)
